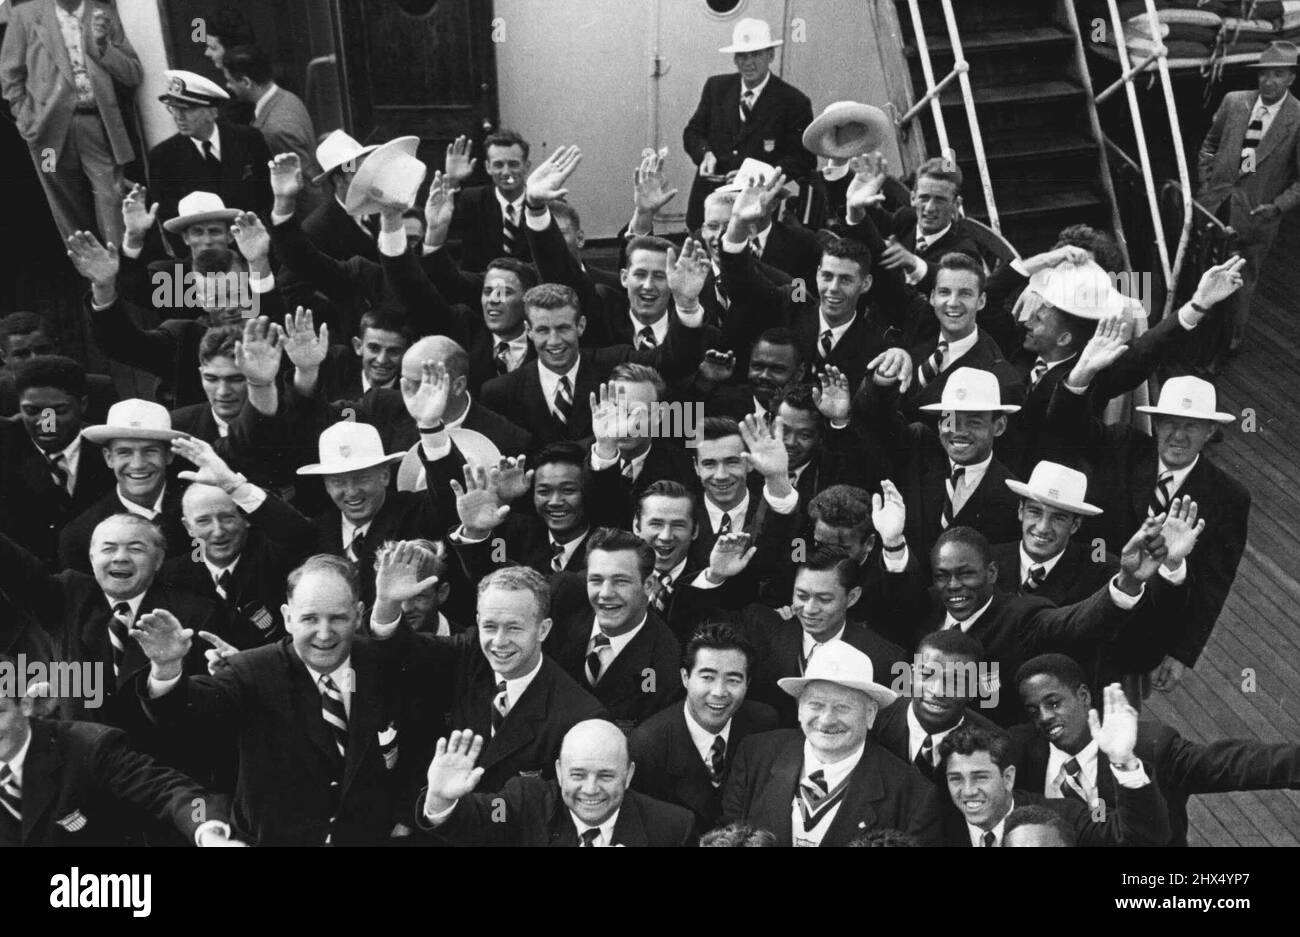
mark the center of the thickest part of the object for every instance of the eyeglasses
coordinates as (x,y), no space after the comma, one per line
(175,109)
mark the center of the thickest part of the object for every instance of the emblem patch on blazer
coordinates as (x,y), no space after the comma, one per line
(74,821)
(260,617)
(388,745)
(769,146)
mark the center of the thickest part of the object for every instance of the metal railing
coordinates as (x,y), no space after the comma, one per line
(961,74)
(1170,269)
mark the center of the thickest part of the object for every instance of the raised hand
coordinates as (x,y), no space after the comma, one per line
(1103,349)
(251,236)
(766,454)
(1167,676)
(895,255)
(163,641)
(97,263)
(218,656)
(608,418)
(1117,735)
(258,354)
(429,403)
(731,553)
(439,209)
(452,773)
(1065,254)
(458,166)
(513,480)
(709,165)
(832,397)
(1218,283)
(137,215)
(1144,552)
(306,349)
(717,366)
(478,504)
(868,180)
(286,175)
(1181,531)
(397,575)
(889,514)
(648,193)
(890,366)
(212,469)
(688,272)
(545,183)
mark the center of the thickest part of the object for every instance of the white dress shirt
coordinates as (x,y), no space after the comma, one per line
(514,688)
(216,571)
(616,643)
(977,835)
(916,734)
(135,602)
(755,92)
(551,382)
(1027,561)
(570,546)
(969,481)
(350,530)
(147,513)
(703,738)
(71,460)
(837,332)
(606,838)
(969,623)
(917,273)
(737,514)
(810,643)
(659,327)
(1056,760)
(19,759)
(599,463)
(517,204)
(958,348)
(215,140)
(344,679)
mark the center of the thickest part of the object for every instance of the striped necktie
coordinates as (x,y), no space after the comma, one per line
(816,799)
(717,763)
(500,707)
(355,546)
(1160,497)
(932,365)
(665,592)
(334,713)
(563,400)
(595,659)
(646,338)
(119,628)
(11,795)
(951,491)
(557,557)
(746,106)
(1071,780)
(59,471)
(510,232)
(1037,573)
(1254,134)
(501,357)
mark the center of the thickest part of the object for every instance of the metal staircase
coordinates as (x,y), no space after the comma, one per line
(1029,104)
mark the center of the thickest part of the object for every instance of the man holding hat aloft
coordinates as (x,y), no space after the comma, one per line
(205,153)
(1249,169)
(749,114)
(1136,475)
(329,226)
(826,782)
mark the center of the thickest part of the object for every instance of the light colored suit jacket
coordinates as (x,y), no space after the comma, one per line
(1276,178)
(287,127)
(36,75)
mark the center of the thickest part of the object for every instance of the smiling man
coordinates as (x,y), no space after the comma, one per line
(493,679)
(1060,758)
(317,716)
(489,219)
(135,448)
(841,781)
(683,753)
(588,805)
(981,782)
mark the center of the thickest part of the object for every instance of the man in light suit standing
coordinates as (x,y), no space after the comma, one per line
(1249,170)
(278,113)
(58,67)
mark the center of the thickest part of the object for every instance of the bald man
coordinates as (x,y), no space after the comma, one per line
(244,540)
(385,408)
(589,803)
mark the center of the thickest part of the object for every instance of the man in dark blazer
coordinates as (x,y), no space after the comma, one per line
(682,755)
(750,114)
(920,234)
(1056,757)
(589,805)
(85,618)
(329,226)
(788,639)
(48,475)
(247,541)
(207,154)
(318,717)
(25,336)
(943,694)
(608,637)
(841,781)
(67,784)
(488,219)
(981,779)
(1133,473)
(1249,171)
(951,476)
(493,679)
(961,592)
(1045,561)
(556,405)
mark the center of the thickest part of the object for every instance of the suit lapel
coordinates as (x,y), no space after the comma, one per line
(305,698)
(53,39)
(690,779)
(856,811)
(40,777)
(630,829)
(1142,484)
(367,711)
(521,724)
(1281,129)
(778,793)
